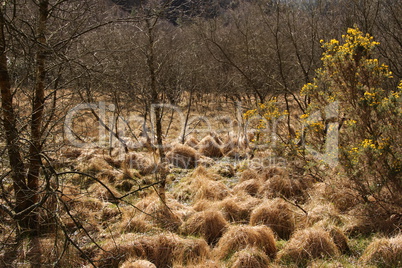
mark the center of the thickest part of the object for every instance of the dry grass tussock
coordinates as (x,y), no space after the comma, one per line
(249,258)
(321,210)
(249,174)
(384,252)
(51,248)
(208,224)
(338,193)
(223,169)
(110,175)
(201,185)
(138,161)
(105,193)
(251,187)
(270,172)
(191,141)
(337,235)
(167,216)
(191,251)
(183,156)
(131,223)
(234,210)
(277,186)
(308,244)
(71,153)
(94,165)
(240,237)
(204,264)
(275,214)
(158,249)
(210,146)
(133,263)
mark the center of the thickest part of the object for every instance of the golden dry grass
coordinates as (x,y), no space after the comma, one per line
(384,252)
(94,165)
(248,174)
(240,237)
(191,251)
(234,210)
(164,215)
(270,172)
(338,236)
(52,248)
(249,258)
(282,185)
(105,193)
(308,244)
(71,153)
(157,249)
(183,156)
(210,146)
(250,186)
(201,184)
(208,224)
(275,214)
(191,141)
(133,263)
(140,162)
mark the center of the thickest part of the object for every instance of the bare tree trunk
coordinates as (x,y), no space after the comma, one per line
(156,101)
(35,148)
(11,132)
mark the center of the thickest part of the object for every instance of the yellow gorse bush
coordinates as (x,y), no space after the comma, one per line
(370,138)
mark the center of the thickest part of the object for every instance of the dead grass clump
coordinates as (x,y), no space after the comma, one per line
(211,190)
(384,252)
(105,193)
(157,249)
(322,211)
(340,239)
(191,141)
(308,244)
(209,224)
(239,237)
(203,204)
(71,153)
(210,146)
(167,216)
(139,162)
(201,184)
(248,174)
(337,235)
(205,264)
(108,213)
(238,154)
(251,187)
(341,196)
(113,161)
(223,169)
(134,225)
(191,252)
(249,258)
(183,156)
(278,186)
(233,210)
(94,165)
(52,250)
(132,263)
(270,172)
(90,203)
(275,214)
(109,175)
(117,251)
